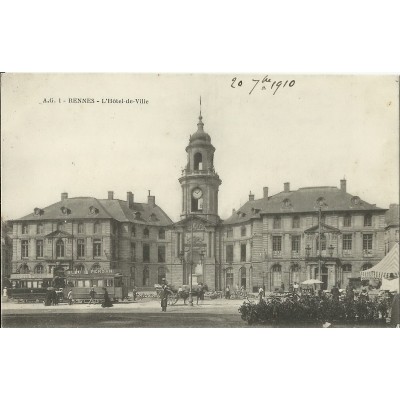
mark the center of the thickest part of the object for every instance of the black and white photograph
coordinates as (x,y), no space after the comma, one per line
(200,201)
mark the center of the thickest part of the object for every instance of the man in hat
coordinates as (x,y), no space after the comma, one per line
(92,295)
(164,296)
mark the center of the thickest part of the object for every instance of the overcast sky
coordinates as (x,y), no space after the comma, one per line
(311,134)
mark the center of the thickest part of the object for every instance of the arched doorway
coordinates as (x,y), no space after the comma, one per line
(229,277)
(276,280)
(294,274)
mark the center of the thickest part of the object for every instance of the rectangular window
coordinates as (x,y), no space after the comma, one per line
(96,248)
(146,252)
(296,222)
(277,223)
(296,244)
(242,252)
(347,241)
(229,252)
(161,254)
(276,243)
(39,248)
(133,251)
(81,247)
(367,220)
(243,231)
(24,248)
(81,228)
(347,220)
(367,242)
(24,229)
(229,233)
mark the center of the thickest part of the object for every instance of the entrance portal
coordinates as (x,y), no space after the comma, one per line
(323,278)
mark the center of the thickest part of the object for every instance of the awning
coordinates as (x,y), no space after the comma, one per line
(386,268)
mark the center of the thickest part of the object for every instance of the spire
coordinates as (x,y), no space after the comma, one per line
(200,124)
(200,106)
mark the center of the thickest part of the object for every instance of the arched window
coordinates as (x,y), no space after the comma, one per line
(24,269)
(146,233)
(229,277)
(161,234)
(295,274)
(198,162)
(39,229)
(368,220)
(95,268)
(276,275)
(39,269)
(60,250)
(242,274)
(161,275)
(323,242)
(97,228)
(146,276)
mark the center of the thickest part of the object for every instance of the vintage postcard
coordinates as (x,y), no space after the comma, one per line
(200,200)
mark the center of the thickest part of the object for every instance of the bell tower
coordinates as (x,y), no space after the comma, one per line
(199,180)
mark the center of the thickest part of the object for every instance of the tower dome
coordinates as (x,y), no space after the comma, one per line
(200,134)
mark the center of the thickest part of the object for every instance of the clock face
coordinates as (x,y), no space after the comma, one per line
(197,193)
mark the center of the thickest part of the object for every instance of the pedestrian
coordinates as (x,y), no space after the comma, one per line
(164,297)
(54,297)
(48,298)
(335,293)
(228,292)
(200,293)
(282,287)
(107,301)
(260,293)
(70,297)
(92,295)
(134,293)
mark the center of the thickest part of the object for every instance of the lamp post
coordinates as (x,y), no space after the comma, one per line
(202,255)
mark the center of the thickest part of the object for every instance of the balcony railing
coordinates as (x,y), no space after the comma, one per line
(368,253)
(347,253)
(277,254)
(209,171)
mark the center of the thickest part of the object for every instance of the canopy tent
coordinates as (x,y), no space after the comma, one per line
(388,267)
(390,284)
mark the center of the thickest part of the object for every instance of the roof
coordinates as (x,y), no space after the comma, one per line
(91,208)
(303,200)
(388,267)
(200,135)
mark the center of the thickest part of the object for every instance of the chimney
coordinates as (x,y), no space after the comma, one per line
(286,187)
(110,195)
(64,196)
(343,185)
(151,200)
(233,211)
(129,199)
(265,190)
(251,196)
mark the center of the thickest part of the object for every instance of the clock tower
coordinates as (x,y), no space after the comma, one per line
(199,180)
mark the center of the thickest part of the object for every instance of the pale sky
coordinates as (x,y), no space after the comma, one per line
(311,134)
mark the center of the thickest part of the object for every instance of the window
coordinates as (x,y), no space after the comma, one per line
(39,269)
(198,161)
(81,247)
(277,223)
(161,275)
(229,232)
(296,222)
(146,252)
(60,249)
(276,275)
(276,243)
(346,274)
(347,241)
(133,232)
(146,276)
(161,253)
(24,229)
(81,228)
(96,248)
(229,252)
(323,219)
(39,229)
(243,231)
(24,248)
(24,269)
(146,233)
(242,274)
(323,242)
(161,234)
(39,248)
(133,251)
(229,277)
(295,274)
(97,228)
(367,242)
(368,220)
(243,252)
(347,220)
(60,226)
(296,243)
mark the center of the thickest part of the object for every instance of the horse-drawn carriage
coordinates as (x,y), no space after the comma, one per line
(181,293)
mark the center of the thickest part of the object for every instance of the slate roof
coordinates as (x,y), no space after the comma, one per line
(79,208)
(303,200)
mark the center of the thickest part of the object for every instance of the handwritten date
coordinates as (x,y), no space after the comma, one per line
(266,83)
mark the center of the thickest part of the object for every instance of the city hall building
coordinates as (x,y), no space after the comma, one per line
(314,232)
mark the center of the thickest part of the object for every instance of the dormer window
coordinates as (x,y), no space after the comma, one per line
(38,212)
(286,203)
(93,210)
(137,215)
(320,202)
(355,201)
(65,210)
(153,217)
